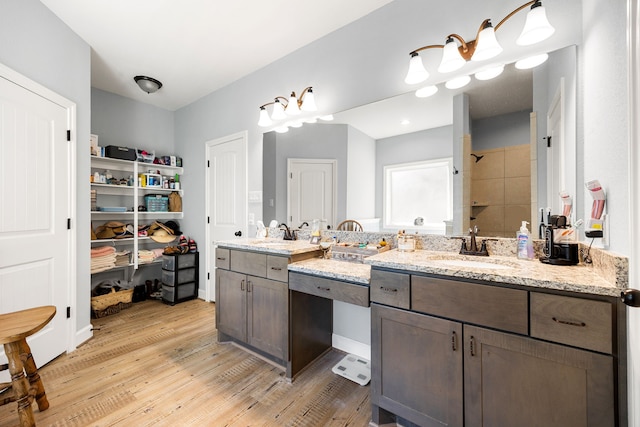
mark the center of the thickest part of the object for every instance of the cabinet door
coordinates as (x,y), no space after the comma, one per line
(517,381)
(267,315)
(231,304)
(417,366)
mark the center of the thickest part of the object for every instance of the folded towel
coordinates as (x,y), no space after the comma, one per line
(102,250)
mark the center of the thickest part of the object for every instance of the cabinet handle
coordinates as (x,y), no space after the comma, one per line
(249,285)
(276,268)
(221,258)
(454,341)
(385,289)
(324,289)
(242,285)
(472,345)
(569,322)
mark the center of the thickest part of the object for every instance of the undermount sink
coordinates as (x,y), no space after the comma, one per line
(473,264)
(267,243)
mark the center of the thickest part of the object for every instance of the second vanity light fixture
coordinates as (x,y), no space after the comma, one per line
(485,46)
(284,108)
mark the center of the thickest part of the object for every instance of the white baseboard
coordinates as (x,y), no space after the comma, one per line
(351,346)
(83,335)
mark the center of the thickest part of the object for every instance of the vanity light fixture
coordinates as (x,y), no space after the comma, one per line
(148,84)
(485,46)
(285,107)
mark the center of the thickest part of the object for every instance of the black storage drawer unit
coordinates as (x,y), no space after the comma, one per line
(179,277)
(123,153)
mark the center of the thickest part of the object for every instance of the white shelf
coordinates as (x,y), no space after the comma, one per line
(128,165)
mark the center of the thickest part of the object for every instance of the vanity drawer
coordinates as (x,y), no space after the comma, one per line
(390,288)
(222,258)
(277,268)
(249,263)
(328,288)
(485,305)
(574,321)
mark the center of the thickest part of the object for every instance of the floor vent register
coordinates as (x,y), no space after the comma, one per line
(354,368)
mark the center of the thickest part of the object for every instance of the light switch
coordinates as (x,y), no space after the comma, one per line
(255,196)
(252,219)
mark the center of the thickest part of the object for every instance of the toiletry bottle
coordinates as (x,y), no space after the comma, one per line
(525,245)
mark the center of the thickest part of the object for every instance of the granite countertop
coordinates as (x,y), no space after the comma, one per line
(334,269)
(270,246)
(511,270)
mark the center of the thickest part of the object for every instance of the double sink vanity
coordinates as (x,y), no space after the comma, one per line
(455,340)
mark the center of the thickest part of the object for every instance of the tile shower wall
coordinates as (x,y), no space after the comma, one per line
(501,190)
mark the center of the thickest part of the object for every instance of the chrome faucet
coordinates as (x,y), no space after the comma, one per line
(288,234)
(473,245)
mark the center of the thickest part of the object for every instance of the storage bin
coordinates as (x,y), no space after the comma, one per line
(176,262)
(156,203)
(178,277)
(180,293)
(144,156)
(123,153)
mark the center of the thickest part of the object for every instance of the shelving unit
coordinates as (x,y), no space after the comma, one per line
(130,197)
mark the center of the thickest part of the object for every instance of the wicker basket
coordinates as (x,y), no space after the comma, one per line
(111,303)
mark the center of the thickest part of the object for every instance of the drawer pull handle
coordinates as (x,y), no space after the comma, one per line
(276,268)
(324,289)
(472,344)
(454,341)
(385,289)
(569,322)
(221,258)
(249,285)
(242,285)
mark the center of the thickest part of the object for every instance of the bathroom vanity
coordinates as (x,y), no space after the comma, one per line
(455,340)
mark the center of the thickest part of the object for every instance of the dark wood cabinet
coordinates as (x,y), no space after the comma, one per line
(512,380)
(417,366)
(231,294)
(422,356)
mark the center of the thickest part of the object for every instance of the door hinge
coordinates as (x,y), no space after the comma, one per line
(68,312)
(69,135)
(548,138)
(68,223)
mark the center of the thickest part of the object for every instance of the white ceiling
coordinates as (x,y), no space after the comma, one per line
(195,47)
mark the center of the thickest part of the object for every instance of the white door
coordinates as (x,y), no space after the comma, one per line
(555,152)
(311,191)
(227,196)
(34,207)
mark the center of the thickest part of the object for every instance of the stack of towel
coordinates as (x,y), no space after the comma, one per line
(122,258)
(103,258)
(148,256)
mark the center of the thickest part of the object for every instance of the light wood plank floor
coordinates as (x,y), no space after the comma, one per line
(157,365)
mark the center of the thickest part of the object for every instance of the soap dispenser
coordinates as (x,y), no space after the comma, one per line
(525,244)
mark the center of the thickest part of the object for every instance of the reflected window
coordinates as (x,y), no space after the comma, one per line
(419,195)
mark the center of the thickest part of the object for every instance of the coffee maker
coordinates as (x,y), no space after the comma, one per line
(556,251)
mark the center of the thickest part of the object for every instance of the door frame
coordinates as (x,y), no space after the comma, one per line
(210,269)
(71,265)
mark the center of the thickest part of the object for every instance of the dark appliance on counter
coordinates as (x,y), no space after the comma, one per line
(558,253)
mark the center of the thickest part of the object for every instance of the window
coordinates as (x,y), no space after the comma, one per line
(419,190)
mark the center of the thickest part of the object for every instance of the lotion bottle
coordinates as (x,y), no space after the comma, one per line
(525,244)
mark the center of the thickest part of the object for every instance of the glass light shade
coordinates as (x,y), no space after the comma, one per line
(148,84)
(451,59)
(531,62)
(458,82)
(265,120)
(536,27)
(293,109)
(278,111)
(309,102)
(282,129)
(487,45)
(490,73)
(417,73)
(426,91)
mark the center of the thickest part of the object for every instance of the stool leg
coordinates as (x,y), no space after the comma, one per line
(34,378)
(20,384)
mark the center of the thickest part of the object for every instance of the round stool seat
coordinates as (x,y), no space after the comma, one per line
(21,324)
(15,327)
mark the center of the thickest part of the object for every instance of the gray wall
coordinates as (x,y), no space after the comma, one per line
(500,131)
(429,144)
(35,43)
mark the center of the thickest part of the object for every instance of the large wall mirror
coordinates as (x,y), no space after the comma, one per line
(504,175)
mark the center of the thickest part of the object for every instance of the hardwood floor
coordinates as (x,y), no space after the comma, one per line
(158,365)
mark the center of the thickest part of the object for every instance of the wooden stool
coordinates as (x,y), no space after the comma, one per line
(14,329)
